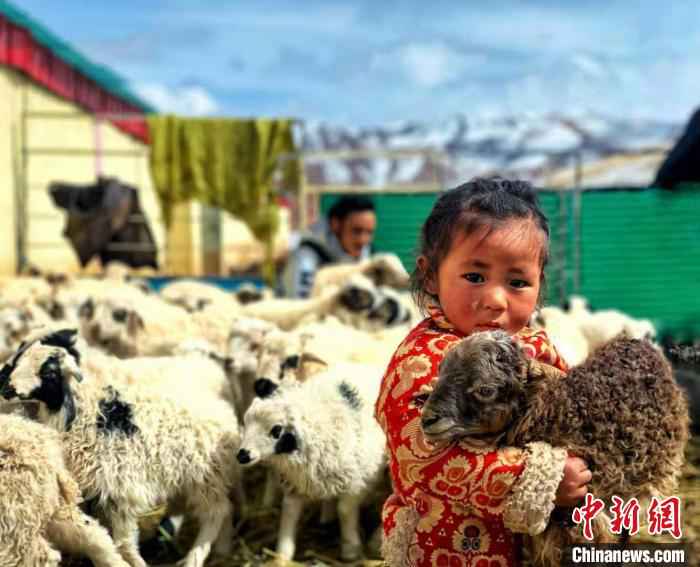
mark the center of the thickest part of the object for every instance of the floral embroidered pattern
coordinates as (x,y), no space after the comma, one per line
(458,490)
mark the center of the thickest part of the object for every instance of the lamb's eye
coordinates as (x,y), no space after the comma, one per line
(420,399)
(486,392)
(276,431)
(119,315)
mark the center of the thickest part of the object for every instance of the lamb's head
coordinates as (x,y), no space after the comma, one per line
(245,343)
(15,322)
(112,324)
(41,370)
(480,389)
(190,303)
(268,430)
(278,363)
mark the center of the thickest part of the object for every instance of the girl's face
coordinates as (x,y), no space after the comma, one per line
(491,281)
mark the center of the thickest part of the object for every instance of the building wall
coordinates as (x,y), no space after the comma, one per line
(60,148)
(9,163)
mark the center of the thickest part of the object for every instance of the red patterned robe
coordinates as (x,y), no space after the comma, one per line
(452,505)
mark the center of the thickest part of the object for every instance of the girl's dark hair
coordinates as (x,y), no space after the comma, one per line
(478,203)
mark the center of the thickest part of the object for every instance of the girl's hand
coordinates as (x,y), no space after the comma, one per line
(573,486)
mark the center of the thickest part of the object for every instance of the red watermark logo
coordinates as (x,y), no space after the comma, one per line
(663,516)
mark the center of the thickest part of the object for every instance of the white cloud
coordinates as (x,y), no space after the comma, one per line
(426,65)
(588,65)
(185,100)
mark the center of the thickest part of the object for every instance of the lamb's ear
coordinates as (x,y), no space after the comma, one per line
(537,370)
(66,339)
(310,364)
(134,323)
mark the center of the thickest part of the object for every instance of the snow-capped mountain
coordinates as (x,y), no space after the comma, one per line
(530,147)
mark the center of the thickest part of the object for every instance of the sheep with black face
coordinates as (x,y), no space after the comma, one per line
(131,448)
(322,439)
(621,411)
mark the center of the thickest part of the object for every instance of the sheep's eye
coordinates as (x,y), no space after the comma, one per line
(420,399)
(276,431)
(119,315)
(486,392)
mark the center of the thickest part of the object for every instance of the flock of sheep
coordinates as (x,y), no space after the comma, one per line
(140,400)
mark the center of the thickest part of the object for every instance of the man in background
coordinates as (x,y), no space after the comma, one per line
(345,236)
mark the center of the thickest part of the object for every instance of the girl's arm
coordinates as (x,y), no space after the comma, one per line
(520,484)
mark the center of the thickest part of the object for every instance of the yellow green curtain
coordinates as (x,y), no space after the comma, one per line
(225,163)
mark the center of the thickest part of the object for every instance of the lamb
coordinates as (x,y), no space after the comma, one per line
(39,501)
(288,313)
(382,269)
(620,411)
(320,436)
(15,323)
(194,296)
(246,342)
(564,332)
(128,327)
(132,449)
(600,327)
(315,345)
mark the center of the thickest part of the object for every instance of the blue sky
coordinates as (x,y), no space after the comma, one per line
(374,62)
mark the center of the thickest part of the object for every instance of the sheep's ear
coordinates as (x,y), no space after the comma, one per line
(537,370)
(310,364)
(65,339)
(87,309)
(134,323)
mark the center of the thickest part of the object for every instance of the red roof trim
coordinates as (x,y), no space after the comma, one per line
(19,50)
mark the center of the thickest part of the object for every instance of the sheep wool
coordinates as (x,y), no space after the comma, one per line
(39,511)
(132,449)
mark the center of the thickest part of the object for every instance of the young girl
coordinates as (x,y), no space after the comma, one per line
(481,266)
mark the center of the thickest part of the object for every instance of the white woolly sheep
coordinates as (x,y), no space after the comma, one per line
(564,331)
(15,323)
(39,502)
(287,313)
(128,326)
(383,269)
(246,340)
(322,439)
(195,296)
(129,448)
(621,411)
(600,327)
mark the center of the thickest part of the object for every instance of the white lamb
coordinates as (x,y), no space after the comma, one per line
(565,333)
(246,342)
(321,438)
(194,296)
(39,502)
(130,448)
(287,313)
(383,269)
(127,326)
(601,327)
